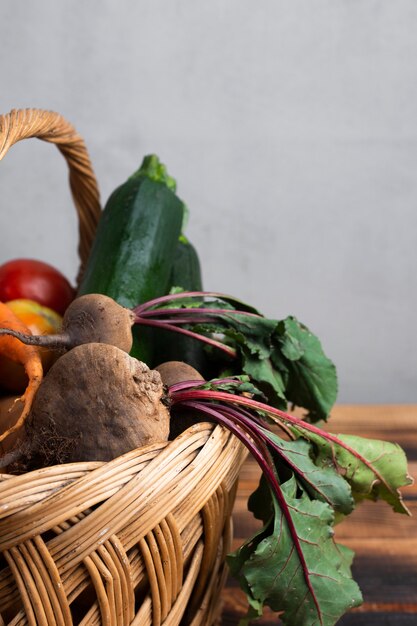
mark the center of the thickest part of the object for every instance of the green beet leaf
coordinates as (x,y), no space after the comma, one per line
(375,469)
(308,484)
(312,379)
(267,376)
(320,482)
(283,357)
(309,578)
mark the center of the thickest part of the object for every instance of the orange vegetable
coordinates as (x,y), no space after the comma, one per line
(28,356)
(40,320)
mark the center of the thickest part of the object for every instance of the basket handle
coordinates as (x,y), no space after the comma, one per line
(52,127)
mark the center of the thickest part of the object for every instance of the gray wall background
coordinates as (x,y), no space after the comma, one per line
(291,128)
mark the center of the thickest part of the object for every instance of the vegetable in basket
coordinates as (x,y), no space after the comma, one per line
(27,355)
(185,275)
(96,402)
(134,247)
(35,280)
(311,478)
(283,357)
(92,318)
(140,252)
(39,320)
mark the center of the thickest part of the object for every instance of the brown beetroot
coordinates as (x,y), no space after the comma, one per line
(177,372)
(92,318)
(173,372)
(95,318)
(96,403)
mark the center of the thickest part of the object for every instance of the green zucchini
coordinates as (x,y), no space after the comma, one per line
(186,274)
(134,248)
(186,269)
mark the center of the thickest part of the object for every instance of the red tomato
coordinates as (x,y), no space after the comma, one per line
(35,280)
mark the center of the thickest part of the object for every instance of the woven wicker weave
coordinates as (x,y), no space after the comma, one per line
(139,540)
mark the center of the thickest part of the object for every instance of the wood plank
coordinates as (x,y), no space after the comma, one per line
(385,543)
(377,619)
(396,423)
(234,608)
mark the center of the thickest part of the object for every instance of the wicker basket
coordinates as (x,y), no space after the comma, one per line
(139,540)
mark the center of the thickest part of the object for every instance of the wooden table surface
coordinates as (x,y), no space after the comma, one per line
(385,543)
